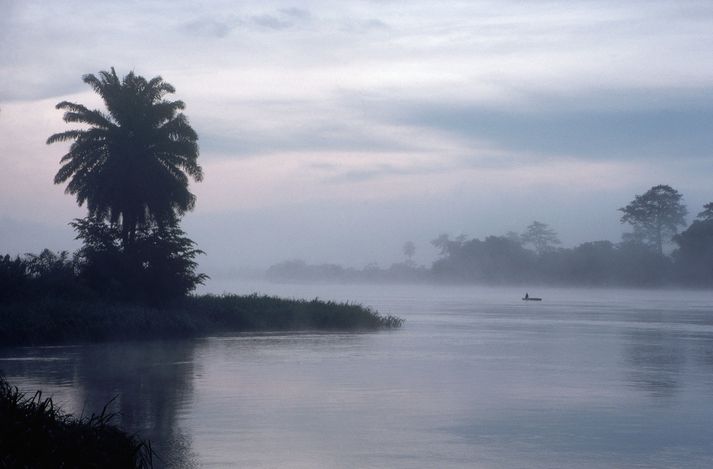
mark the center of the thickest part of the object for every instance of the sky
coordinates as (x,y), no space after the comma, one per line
(337,131)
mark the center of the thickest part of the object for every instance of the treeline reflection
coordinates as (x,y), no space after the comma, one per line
(146,384)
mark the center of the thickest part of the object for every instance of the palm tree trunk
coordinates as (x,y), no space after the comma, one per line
(124,234)
(128,230)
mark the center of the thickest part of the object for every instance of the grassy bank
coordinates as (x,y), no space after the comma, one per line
(34,432)
(55,321)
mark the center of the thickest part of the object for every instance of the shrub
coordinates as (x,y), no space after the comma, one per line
(34,432)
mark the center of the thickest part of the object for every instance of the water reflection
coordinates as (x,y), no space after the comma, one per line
(150,382)
(623,381)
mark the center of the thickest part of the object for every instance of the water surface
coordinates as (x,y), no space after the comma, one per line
(476,378)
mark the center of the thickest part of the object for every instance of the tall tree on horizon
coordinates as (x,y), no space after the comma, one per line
(131,164)
(541,236)
(409,250)
(707,213)
(656,215)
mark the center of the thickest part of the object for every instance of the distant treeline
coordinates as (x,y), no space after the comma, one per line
(299,270)
(504,260)
(499,259)
(534,257)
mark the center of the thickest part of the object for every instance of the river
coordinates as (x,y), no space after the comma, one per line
(476,378)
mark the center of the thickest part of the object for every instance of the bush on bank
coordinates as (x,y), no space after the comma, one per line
(35,433)
(56,321)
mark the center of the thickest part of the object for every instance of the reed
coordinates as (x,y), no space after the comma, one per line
(35,432)
(56,321)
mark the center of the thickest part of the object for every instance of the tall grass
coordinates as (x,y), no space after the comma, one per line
(35,433)
(51,321)
(269,313)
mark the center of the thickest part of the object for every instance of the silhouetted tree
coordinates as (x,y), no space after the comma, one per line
(48,263)
(159,264)
(496,259)
(707,213)
(514,237)
(43,275)
(14,278)
(167,258)
(409,251)
(655,216)
(591,263)
(540,236)
(446,245)
(130,165)
(694,256)
(641,264)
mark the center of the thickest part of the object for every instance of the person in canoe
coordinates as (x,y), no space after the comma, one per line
(527,296)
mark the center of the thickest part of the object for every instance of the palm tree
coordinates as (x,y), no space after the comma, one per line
(130,164)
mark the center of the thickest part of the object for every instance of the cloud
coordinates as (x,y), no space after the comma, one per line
(342,175)
(487,105)
(210,27)
(667,124)
(221,26)
(37,85)
(315,136)
(361,26)
(283,18)
(271,21)
(295,13)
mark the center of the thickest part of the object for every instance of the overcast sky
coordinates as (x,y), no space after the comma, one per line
(336,131)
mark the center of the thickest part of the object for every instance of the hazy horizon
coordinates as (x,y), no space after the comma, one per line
(336,133)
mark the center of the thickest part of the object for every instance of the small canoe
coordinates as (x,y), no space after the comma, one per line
(532,299)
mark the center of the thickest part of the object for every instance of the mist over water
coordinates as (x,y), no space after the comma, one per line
(384,153)
(476,378)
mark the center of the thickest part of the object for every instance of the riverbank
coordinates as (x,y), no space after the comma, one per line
(34,432)
(57,321)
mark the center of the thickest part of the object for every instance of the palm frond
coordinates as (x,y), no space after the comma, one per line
(64,136)
(133,163)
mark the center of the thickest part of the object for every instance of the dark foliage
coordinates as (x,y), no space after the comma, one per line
(35,433)
(46,275)
(634,262)
(266,313)
(496,259)
(51,321)
(158,266)
(655,216)
(638,260)
(707,213)
(502,260)
(130,164)
(541,237)
(694,256)
(14,278)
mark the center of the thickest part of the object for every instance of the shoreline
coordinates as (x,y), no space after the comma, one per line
(36,432)
(54,321)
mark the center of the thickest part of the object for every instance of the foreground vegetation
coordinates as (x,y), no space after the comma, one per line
(53,298)
(34,432)
(56,321)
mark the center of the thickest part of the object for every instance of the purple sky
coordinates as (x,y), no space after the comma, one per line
(336,131)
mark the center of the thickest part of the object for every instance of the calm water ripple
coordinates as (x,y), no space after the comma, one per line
(476,378)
